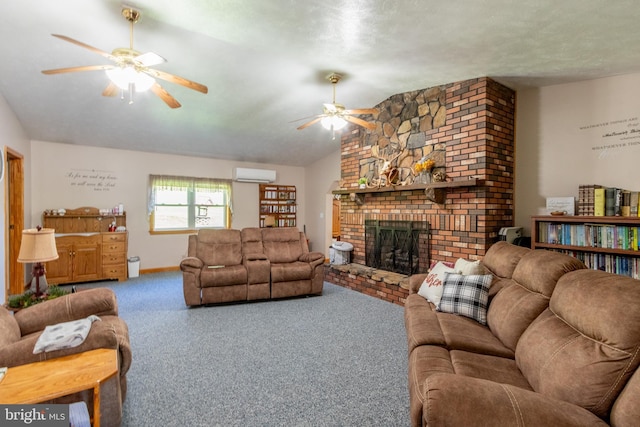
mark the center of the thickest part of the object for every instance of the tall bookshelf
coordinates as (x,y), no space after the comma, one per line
(609,243)
(278,203)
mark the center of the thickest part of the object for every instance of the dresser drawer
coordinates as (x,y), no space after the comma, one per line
(114,237)
(114,271)
(113,247)
(114,258)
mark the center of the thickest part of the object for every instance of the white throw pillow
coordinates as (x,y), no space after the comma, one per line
(432,286)
(468,268)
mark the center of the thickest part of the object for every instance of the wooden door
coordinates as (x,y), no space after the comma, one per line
(335,230)
(87,261)
(14,204)
(61,269)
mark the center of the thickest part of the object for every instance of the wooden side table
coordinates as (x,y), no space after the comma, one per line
(41,381)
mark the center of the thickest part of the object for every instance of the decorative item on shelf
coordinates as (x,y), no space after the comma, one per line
(362,182)
(439,176)
(38,246)
(422,170)
(269,221)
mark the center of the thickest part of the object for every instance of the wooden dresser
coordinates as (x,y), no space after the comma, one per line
(87,250)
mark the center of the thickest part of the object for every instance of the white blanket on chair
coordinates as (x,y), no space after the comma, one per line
(64,335)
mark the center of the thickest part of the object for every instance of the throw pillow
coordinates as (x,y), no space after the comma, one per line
(466,295)
(466,268)
(447,263)
(431,287)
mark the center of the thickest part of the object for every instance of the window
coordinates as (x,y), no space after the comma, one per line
(180,203)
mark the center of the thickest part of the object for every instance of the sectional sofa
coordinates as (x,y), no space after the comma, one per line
(560,346)
(226,265)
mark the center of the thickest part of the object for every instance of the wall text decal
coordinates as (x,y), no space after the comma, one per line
(92,179)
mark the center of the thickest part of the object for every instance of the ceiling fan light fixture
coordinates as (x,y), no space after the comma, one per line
(333,122)
(123,76)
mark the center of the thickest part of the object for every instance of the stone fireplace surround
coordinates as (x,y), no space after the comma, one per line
(477,139)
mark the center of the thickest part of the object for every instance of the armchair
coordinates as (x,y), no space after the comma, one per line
(19,333)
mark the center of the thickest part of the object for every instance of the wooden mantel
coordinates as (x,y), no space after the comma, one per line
(435,191)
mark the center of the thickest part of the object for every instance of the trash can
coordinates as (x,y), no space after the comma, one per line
(134,266)
(340,253)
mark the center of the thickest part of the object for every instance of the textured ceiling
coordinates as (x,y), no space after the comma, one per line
(265,64)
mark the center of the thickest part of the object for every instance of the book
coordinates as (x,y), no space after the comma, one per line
(633,202)
(617,202)
(598,202)
(609,201)
(625,203)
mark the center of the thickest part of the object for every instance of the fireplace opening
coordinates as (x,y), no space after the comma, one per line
(395,245)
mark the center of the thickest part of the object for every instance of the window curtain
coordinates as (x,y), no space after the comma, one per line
(172,182)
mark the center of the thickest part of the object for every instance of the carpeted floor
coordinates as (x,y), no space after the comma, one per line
(339,359)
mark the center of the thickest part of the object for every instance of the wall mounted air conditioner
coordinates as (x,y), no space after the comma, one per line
(254,175)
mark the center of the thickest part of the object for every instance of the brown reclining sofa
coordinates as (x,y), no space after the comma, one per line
(561,348)
(226,265)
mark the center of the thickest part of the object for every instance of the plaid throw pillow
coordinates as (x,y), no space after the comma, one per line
(466,296)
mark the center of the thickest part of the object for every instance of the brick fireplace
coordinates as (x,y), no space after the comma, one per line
(467,127)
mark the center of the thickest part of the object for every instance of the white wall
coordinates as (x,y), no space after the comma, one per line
(11,136)
(320,177)
(58,183)
(572,134)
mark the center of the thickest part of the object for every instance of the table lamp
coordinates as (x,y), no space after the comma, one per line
(38,246)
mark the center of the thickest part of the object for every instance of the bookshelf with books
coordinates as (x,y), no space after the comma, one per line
(609,243)
(278,206)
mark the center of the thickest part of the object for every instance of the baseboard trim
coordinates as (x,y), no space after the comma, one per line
(159,270)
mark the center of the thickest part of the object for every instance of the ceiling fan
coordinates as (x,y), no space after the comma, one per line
(130,71)
(335,116)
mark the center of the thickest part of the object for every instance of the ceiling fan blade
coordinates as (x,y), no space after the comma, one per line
(360,122)
(362,111)
(86,46)
(165,96)
(314,121)
(111,90)
(178,80)
(80,68)
(149,59)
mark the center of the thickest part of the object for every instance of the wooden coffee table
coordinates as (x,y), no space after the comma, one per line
(41,381)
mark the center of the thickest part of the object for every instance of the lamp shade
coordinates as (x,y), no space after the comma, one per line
(333,122)
(122,76)
(38,245)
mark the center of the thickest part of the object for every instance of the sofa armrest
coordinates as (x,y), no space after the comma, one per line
(314,258)
(191,263)
(253,257)
(457,400)
(101,335)
(98,301)
(415,281)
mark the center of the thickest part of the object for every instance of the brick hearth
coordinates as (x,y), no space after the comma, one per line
(475,140)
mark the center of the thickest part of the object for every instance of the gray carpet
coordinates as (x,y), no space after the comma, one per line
(339,359)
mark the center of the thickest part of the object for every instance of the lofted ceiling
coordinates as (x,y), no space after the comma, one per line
(266,62)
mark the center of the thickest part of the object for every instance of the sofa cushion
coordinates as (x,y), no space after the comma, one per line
(502,258)
(466,295)
(467,267)
(219,247)
(252,241)
(227,276)
(518,304)
(9,329)
(585,346)
(282,244)
(432,286)
(290,271)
